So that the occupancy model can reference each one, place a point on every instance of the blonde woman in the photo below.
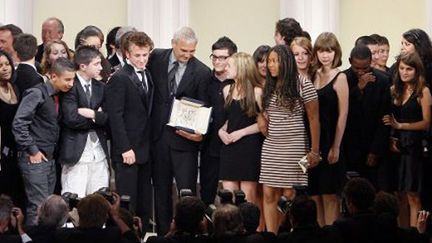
(241, 150)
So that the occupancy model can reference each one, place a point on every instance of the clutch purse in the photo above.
(304, 164)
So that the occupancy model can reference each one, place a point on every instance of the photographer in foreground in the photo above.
(188, 225)
(94, 211)
(11, 221)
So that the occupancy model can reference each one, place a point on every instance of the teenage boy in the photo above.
(36, 132)
(83, 147)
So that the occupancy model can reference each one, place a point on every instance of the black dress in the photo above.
(410, 171)
(240, 161)
(326, 178)
(10, 177)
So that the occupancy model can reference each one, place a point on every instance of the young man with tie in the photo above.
(83, 150)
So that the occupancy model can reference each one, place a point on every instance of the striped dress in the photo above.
(287, 142)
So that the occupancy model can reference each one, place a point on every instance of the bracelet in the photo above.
(314, 154)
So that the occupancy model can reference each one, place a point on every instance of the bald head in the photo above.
(52, 29)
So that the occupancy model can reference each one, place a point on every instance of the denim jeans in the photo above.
(39, 182)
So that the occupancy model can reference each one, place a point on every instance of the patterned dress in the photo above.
(287, 141)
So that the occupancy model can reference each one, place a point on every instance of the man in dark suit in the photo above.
(365, 143)
(7, 35)
(129, 95)
(83, 147)
(52, 29)
(26, 75)
(176, 73)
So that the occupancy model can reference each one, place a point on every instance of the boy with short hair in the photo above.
(83, 147)
(36, 132)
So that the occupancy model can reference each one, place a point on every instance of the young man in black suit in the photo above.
(366, 137)
(26, 74)
(36, 132)
(83, 148)
(176, 73)
(129, 95)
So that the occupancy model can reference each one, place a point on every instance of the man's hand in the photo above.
(129, 157)
(365, 79)
(19, 217)
(87, 113)
(196, 137)
(422, 221)
(115, 206)
(37, 158)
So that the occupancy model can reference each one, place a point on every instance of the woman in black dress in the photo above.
(325, 180)
(241, 151)
(10, 177)
(411, 118)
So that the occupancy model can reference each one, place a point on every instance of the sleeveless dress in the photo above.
(287, 141)
(326, 178)
(240, 161)
(410, 171)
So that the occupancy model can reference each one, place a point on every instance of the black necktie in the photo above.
(143, 82)
(88, 93)
(172, 78)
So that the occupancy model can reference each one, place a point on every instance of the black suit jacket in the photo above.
(365, 132)
(114, 61)
(74, 127)
(26, 77)
(193, 84)
(39, 53)
(129, 109)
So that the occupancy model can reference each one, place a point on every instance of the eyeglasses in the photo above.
(215, 58)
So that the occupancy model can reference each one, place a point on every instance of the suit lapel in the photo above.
(96, 94)
(82, 98)
(149, 100)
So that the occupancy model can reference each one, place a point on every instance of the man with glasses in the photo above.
(222, 49)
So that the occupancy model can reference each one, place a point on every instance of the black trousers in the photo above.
(169, 163)
(209, 176)
(135, 181)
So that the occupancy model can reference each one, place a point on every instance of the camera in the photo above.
(71, 199)
(185, 193)
(239, 197)
(225, 196)
(284, 204)
(108, 195)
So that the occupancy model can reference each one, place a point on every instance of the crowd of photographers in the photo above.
(369, 217)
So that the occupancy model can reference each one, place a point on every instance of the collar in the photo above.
(83, 81)
(173, 59)
(50, 88)
(135, 69)
(30, 64)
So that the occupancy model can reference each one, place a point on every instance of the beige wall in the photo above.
(385, 17)
(249, 23)
(77, 14)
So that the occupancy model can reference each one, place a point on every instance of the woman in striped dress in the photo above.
(287, 97)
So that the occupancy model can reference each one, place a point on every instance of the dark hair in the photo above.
(365, 40)
(261, 53)
(327, 41)
(3, 53)
(15, 30)
(84, 55)
(139, 39)
(61, 65)
(227, 221)
(225, 43)
(251, 216)
(359, 192)
(6, 206)
(303, 211)
(189, 214)
(110, 39)
(93, 211)
(361, 52)
(288, 90)
(422, 44)
(87, 32)
(289, 28)
(386, 203)
(25, 46)
(381, 40)
(412, 60)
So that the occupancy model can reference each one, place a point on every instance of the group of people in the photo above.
(284, 105)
